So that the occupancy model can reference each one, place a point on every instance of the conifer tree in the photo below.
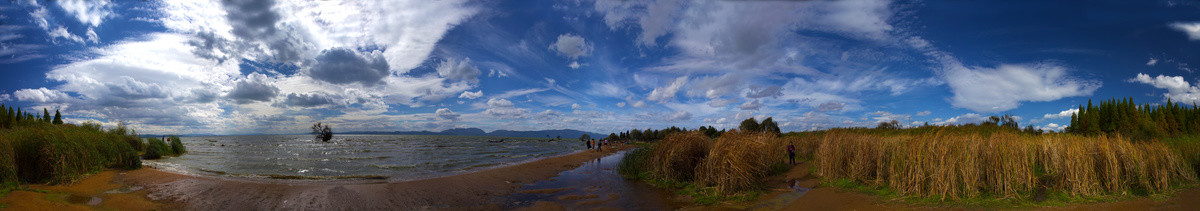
(57, 118)
(45, 115)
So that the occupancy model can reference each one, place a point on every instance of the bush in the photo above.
(176, 146)
(156, 149)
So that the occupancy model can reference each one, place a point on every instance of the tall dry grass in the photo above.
(676, 156)
(737, 160)
(949, 165)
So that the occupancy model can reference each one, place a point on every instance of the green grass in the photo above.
(46, 153)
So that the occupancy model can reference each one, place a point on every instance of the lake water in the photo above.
(396, 157)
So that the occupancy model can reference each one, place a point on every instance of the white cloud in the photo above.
(607, 89)
(1053, 127)
(621, 104)
(962, 119)
(1191, 29)
(639, 104)
(662, 94)
(924, 113)
(1152, 62)
(471, 95)
(715, 87)
(40, 95)
(90, 12)
(576, 106)
(499, 103)
(1177, 88)
(1062, 114)
(459, 70)
(504, 109)
(571, 46)
(1005, 87)
(5, 97)
(574, 65)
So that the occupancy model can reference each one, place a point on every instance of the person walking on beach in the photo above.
(588, 143)
(791, 150)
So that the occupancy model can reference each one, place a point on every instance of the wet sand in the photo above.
(481, 190)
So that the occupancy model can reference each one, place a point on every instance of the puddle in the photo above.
(126, 189)
(90, 201)
(595, 184)
(781, 201)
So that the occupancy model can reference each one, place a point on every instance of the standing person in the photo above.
(791, 150)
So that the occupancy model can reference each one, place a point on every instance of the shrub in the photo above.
(176, 146)
(156, 149)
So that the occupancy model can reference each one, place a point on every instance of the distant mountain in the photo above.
(564, 133)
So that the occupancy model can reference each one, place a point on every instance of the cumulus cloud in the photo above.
(1063, 114)
(679, 116)
(344, 66)
(1005, 87)
(574, 65)
(715, 87)
(1177, 88)
(504, 109)
(576, 106)
(1191, 29)
(253, 88)
(967, 118)
(459, 70)
(662, 94)
(41, 95)
(1053, 127)
(751, 105)
(1152, 62)
(5, 97)
(571, 46)
(446, 114)
(620, 104)
(471, 95)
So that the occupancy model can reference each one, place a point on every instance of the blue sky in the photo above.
(236, 67)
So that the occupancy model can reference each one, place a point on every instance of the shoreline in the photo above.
(472, 190)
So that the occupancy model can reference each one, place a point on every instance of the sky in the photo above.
(273, 67)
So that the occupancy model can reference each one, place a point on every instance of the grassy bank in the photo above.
(933, 164)
(55, 153)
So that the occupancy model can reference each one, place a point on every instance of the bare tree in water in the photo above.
(322, 132)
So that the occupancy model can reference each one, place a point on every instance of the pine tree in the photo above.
(57, 118)
(45, 115)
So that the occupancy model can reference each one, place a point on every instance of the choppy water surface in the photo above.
(397, 157)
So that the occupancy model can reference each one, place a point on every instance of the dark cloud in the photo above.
(459, 70)
(208, 44)
(308, 100)
(252, 89)
(254, 20)
(344, 66)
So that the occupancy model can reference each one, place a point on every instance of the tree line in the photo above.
(1140, 122)
(10, 117)
(768, 125)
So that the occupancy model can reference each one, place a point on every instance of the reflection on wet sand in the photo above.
(595, 184)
